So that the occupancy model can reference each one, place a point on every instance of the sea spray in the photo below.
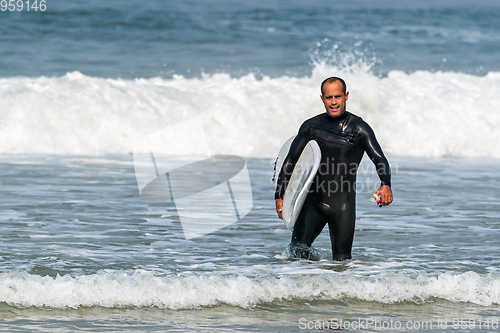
(423, 113)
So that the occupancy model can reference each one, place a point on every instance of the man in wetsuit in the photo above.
(343, 138)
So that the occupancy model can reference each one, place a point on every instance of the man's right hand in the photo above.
(279, 207)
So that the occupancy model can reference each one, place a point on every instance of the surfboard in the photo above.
(300, 181)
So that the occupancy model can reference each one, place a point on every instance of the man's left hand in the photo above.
(385, 193)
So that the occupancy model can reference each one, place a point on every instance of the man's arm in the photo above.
(291, 159)
(375, 153)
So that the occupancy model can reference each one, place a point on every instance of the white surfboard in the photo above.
(301, 180)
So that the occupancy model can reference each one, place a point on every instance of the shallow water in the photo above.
(81, 248)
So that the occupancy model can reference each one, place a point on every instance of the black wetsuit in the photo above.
(332, 198)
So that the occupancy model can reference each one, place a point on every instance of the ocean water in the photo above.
(83, 83)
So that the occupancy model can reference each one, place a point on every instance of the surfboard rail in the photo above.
(302, 177)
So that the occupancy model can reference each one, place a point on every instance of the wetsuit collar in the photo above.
(337, 119)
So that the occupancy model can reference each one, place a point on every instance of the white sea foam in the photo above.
(145, 289)
(417, 114)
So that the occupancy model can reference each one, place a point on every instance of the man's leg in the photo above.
(341, 228)
(309, 224)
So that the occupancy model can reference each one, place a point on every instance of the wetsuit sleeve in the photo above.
(374, 151)
(291, 159)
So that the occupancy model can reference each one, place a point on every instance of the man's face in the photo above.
(334, 98)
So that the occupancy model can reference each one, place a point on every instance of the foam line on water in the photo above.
(192, 290)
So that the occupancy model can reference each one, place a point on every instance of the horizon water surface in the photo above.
(83, 82)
